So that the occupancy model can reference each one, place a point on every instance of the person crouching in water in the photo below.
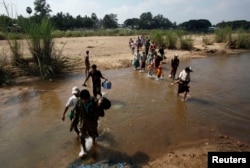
(88, 109)
(183, 81)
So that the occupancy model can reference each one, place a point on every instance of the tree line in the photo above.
(65, 21)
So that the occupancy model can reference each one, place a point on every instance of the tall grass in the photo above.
(207, 41)
(186, 43)
(12, 38)
(223, 35)
(171, 39)
(5, 76)
(41, 46)
(2, 36)
(242, 39)
(158, 37)
(239, 39)
(15, 48)
(98, 32)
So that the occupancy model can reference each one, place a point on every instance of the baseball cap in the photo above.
(75, 90)
(189, 69)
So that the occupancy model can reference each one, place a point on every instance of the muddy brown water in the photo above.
(146, 120)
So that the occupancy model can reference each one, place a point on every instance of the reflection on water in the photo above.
(146, 118)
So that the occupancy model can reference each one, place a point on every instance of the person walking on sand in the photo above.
(88, 109)
(96, 76)
(87, 63)
(183, 81)
(174, 65)
(71, 103)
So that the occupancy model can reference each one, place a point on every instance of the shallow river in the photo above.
(146, 120)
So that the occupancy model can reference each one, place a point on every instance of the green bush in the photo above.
(5, 77)
(172, 39)
(2, 36)
(158, 37)
(58, 34)
(223, 35)
(207, 41)
(97, 32)
(17, 56)
(243, 39)
(186, 43)
(41, 45)
(4, 73)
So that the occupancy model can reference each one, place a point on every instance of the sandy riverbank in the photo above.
(113, 51)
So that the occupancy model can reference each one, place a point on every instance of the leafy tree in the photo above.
(238, 24)
(58, 20)
(146, 21)
(5, 22)
(95, 19)
(42, 10)
(132, 23)
(88, 22)
(69, 21)
(161, 22)
(194, 25)
(110, 21)
(78, 21)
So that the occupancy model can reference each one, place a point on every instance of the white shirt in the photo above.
(72, 102)
(184, 76)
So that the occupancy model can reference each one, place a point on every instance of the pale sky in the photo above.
(177, 11)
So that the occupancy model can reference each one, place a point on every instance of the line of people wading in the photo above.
(85, 109)
(151, 60)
